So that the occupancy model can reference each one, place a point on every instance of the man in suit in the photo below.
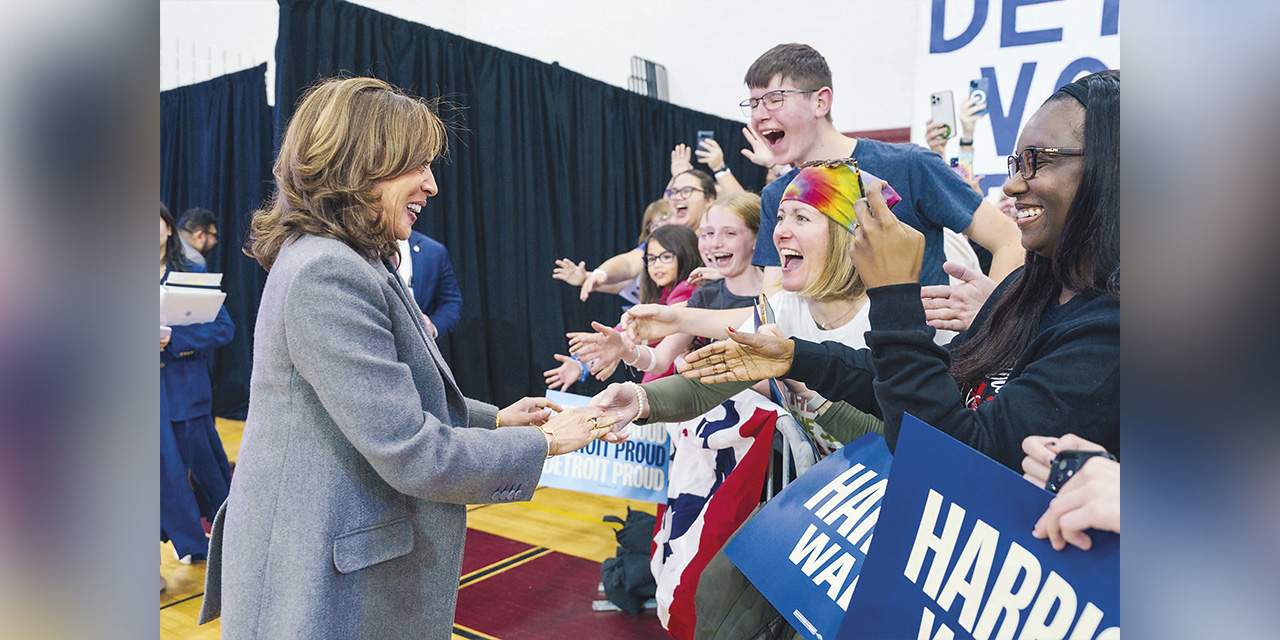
(430, 276)
(198, 230)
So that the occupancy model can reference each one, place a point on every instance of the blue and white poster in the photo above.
(953, 555)
(805, 548)
(1022, 49)
(635, 469)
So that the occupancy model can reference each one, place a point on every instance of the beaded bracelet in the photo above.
(640, 394)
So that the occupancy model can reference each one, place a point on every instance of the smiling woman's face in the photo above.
(801, 237)
(403, 197)
(688, 210)
(1042, 203)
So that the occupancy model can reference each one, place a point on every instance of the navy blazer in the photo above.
(184, 376)
(435, 288)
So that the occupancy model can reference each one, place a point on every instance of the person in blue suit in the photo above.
(435, 288)
(195, 476)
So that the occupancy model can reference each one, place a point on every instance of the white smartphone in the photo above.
(943, 108)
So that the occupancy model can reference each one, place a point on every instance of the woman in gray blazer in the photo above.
(347, 516)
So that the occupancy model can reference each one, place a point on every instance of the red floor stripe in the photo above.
(547, 598)
(483, 549)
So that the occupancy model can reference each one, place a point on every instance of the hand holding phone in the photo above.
(943, 109)
(978, 89)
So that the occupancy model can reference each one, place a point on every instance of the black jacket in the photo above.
(1066, 381)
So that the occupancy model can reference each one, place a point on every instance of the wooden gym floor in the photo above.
(565, 521)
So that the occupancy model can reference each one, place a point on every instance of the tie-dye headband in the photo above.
(831, 188)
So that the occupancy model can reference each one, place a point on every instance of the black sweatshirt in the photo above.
(1066, 381)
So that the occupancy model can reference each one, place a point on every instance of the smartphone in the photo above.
(978, 89)
(704, 135)
(943, 108)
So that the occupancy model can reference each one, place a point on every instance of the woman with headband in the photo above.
(1042, 357)
(823, 299)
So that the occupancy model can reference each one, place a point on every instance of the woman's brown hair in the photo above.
(346, 135)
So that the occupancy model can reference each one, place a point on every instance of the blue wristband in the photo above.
(586, 371)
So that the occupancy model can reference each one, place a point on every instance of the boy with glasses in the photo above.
(790, 110)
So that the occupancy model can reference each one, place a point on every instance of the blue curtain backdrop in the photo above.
(551, 164)
(215, 152)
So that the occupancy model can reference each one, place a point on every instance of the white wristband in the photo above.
(604, 275)
(653, 360)
(815, 402)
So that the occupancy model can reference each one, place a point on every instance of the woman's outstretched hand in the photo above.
(527, 411)
(621, 399)
(743, 357)
(576, 428)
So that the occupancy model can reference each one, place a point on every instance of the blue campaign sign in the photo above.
(805, 548)
(953, 555)
(635, 469)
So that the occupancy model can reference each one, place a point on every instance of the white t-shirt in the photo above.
(795, 320)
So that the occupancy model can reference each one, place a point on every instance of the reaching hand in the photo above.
(743, 357)
(589, 284)
(566, 270)
(953, 306)
(527, 411)
(703, 275)
(885, 251)
(968, 116)
(933, 137)
(710, 154)
(1041, 450)
(603, 348)
(563, 376)
(607, 371)
(576, 428)
(680, 159)
(650, 322)
(757, 150)
(620, 399)
(1089, 500)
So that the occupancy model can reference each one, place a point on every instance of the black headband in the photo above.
(1077, 91)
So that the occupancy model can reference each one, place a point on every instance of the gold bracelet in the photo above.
(553, 444)
(497, 420)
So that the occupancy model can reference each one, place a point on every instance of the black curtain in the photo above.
(551, 164)
(215, 152)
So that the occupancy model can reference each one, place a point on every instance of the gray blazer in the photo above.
(347, 509)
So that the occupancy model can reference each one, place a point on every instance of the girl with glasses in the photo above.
(670, 255)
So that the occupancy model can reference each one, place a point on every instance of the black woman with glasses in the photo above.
(1042, 357)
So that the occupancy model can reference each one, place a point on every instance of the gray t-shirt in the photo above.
(716, 295)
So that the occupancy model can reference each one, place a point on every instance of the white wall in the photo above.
(706, 46)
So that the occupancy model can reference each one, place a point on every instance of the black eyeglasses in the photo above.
(1024, 162)
(666, 257)
(683, 192)
(771, 101)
